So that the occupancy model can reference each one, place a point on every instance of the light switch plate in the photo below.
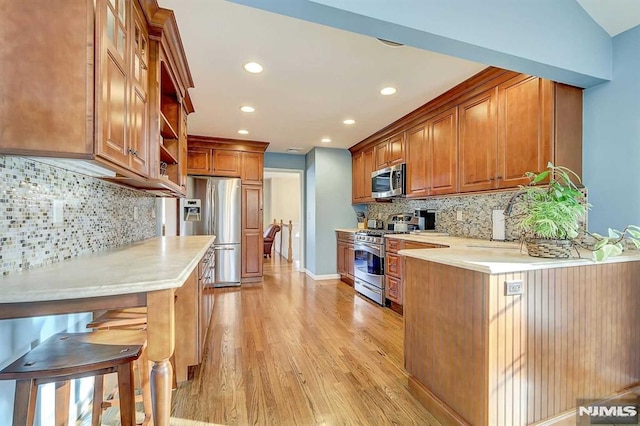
(135, 213)
(58, 211)
(459, 215)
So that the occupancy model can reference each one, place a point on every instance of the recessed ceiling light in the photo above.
(388, 91)
(326, 140)
(246, 108)
(349, 121)
(243, 132)
(253, 67)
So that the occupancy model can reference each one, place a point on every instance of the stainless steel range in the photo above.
(369, 263)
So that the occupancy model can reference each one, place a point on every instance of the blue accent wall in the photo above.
(555, 39)
(611, 139)
(310, 211)
(276, 160)
(328, 194)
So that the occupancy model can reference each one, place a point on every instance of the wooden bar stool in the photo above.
(68, 356)
(141, 365)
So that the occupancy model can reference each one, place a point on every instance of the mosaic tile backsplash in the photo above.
(96, 215)
(476, 213)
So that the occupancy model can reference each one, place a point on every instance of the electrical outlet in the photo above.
(135, 213)
(513, 288)
(459, 215)
(153, 213)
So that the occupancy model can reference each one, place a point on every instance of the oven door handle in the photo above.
(368, 248)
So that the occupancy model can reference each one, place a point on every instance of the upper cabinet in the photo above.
(483, 134)
(389, 152)
(432, 156)
(213, 156)
(101, 104)
(363, 165)
(478, 142)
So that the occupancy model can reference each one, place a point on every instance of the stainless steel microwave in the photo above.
(388, 182)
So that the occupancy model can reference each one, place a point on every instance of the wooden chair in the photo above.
(68, 356)
(268, 236)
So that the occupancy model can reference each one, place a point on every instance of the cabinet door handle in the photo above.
(499, 177)
(491, 178)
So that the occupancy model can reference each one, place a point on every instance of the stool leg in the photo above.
(126, 390)
(24, 407)
(63, 393)
(98, 398)
(145, 384)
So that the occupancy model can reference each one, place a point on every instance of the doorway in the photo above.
(283, 200)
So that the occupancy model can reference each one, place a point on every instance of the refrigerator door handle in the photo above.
(212, 200)
(224, 248)
(208, 213)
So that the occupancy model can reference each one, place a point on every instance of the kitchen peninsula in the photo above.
(148, 273)
(475, 355)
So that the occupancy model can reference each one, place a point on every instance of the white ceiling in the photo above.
(316, 76)
(614, 16)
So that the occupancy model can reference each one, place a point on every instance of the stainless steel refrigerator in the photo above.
(219, 213)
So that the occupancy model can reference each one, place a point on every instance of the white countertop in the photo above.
(493, 257)
(154, 264)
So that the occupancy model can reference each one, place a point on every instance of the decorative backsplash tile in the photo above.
(476, 213)
(97, 215)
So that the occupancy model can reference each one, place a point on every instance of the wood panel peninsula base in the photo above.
(476, 356)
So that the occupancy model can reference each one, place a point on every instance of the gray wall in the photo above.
(612, 139)
(328, 195)
(97, 216)
(276, 160)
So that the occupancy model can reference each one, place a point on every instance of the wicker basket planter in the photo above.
(549, 248)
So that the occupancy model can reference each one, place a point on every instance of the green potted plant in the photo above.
(613, 244)
(548, 214)
(549, 217)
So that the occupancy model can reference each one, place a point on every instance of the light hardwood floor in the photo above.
(294, 351)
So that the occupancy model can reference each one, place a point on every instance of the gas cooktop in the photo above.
(379, 232)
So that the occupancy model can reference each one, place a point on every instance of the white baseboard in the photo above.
(322, 277)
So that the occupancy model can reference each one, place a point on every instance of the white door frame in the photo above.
(303, 213)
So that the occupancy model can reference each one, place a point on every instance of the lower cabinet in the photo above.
(193, 311)
(394, 267)
(252, 242)
(345, 256)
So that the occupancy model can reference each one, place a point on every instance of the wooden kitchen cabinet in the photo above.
(394, 271)
(345, 256)
(417, 160)
(524, 129)
(478, 142)
(362, 167)
(389, 152)
(252, 168)
(483, 134)
(97, 98)
(199, 161)
(432, 156)
(193, 310)
(226, 162)
(252, 245)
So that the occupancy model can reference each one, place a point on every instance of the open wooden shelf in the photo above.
(167, 130)
(167, 155)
